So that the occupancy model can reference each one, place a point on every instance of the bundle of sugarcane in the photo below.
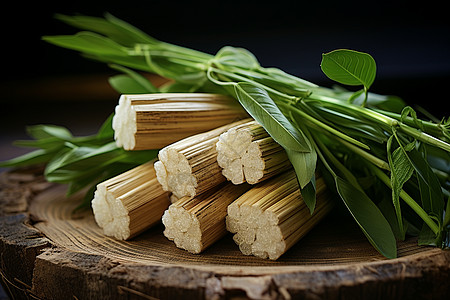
(152, 121)
(196, 223)
(189, 167)
(271, 217)
(129, 203)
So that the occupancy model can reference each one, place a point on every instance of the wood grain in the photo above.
(41, 236)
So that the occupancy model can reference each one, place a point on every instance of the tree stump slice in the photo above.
(48, 251)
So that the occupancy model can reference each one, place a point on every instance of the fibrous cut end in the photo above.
(196, 223)
(175, 174)
(183, 229)
(110, 214)
(255, 234)
(189, 166)
(124, 124)
(266, 224)
(246, 153)
(129, 203)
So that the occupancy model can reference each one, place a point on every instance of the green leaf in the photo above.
(309, 194)
(446, 221)
(132, 83)
(304, 164)
(401, 172)
(366, 214)
(106, 131)
(406, 111)
(88, 42)
(48, 131)
(134, 33)
(429, 185)
(237, 57)
(134, 62)
(263, 109)
(178, 87)
(116, 29)
(75, 162)
(388, 210)
(124, 84)
(349, 67)
(45, 143)
(369, 218)
(31, 158)
(180, 70)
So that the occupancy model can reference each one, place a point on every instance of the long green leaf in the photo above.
(137, 84)
(369, 218)
(237, 57)
(48, 131)
(304, 164)
(73, 163)
(309, 194)
(44, 143)
(366, 214)
(110, 26)
(429, 185)
(263, 109)
(88, 42)
(135, 62)
(125, 84)
(106, 131)
(31, 158)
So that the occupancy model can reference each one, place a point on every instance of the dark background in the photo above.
(42, 83)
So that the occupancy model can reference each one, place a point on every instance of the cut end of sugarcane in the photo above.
(271, 217)
(189, 166)
(110, 214)
(124, 124)
(175, 174)
(183, 228)
(255, 231)
(247, 153)
(194, 224)
(129, 203)
(231, 146)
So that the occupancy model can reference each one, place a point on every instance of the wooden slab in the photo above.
(50, 252)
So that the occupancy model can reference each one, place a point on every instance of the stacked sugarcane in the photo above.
(217, 171)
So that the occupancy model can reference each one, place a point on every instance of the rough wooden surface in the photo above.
(49, 252)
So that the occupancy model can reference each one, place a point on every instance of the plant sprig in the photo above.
(347, 135)
(79, 162)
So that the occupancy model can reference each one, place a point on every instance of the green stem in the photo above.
(408, 200)
(364, 154)
(244, 79)
(344, 171)
(320, 154)
(424, 137)
(386, 121)
(429, 127)
(324, 126)
(261, 77)
(366, 94)
(381, 119)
